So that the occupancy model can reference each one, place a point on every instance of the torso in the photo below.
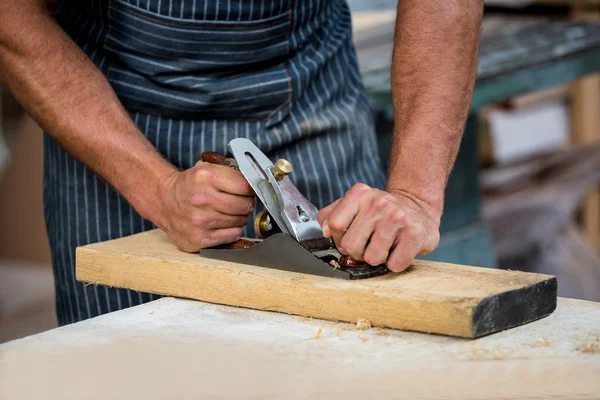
(193, 75)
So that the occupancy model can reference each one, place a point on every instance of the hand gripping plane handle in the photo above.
(212, 157)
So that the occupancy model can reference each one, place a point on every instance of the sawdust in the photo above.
(363, 324)
(498, 353)
(478, 354)
(364, 339)
(590, 348)
(542, 342)
(318, 334)
(383, 333)
(338, 333)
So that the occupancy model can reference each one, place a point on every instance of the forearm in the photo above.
(71, 100)
(433, 74)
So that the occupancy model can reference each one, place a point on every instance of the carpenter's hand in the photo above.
(380, 227)
(205, 206)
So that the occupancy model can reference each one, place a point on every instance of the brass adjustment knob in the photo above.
(282, 168)
(263, 226)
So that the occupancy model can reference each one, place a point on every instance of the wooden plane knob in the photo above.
(347, 262)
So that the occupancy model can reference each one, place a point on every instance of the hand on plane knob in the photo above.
(381, 227)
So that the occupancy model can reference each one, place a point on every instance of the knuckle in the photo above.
(198, 219)
(351, 246)
(203, 174)
(398, 216)
(358, 189)
(335, 224)
(379, 203)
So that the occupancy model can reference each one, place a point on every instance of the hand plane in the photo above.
(291, 238)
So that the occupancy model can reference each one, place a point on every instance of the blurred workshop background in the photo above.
(524, 194)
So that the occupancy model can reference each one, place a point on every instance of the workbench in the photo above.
(183, 349)
(517, 56)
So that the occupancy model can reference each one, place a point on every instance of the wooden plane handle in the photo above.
(212, 157)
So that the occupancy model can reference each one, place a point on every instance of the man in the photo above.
(131, 92)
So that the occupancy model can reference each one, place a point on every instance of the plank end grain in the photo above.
(516, 307)
(428, 297)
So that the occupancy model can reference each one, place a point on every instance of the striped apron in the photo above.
(194, 74)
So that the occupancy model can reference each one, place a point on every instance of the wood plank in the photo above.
(429, 297)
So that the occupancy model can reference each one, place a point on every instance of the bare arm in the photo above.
(433, 75)
(71, 100)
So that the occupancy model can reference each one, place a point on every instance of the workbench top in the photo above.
(174, 348)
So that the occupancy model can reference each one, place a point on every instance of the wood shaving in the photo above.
(335, 264)
(543, 342)
(592, 348)
(339, 334)
(383, 333)
(363, 324)
(318, 334)
(364, 339)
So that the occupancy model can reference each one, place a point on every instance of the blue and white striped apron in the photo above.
(194, 74)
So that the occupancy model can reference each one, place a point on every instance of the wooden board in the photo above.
(183, 349)
(428, 297)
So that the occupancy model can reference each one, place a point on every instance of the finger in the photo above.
(233, 204)
(224, 203)
(405, 250)
(323, 218)
(382, 241)
(223, 221)
(371, 214)
(340, 220)
(202, 220)
(220, 236)
(325, 211)
(344, 213)
(224, 179)
(354, 240)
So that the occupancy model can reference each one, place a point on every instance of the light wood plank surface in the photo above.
(428, 297)
(182, 349)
